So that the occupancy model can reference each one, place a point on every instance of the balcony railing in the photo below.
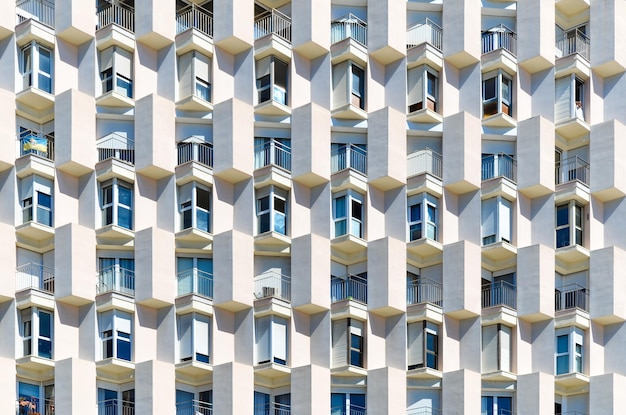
(272, 22)
(274, 153)
(349, 156)
(196, 17)
(571, 296)
(117, 147)
(500, 293)
(571, 169)
(272, 284)
(272, 408)
(425, 161)
(349, 26)
(424, 411)
(500, 37)
(123, 16)
(35, 406)
(353, 410)
(116, 407)
(39, 10)
(425, 31)
(37, 143)
(424, 291)
(116, 279)
(350, 287)
(194, 408)
(34, 276)
(499, 165)
(573, 42)
(195, 281)
(194, 151)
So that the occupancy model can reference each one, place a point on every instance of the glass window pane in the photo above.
(125, 196)
(489, 89)
(264, 222)
(124, 218)
(279, 205)
(415, 232)
(415, 212)
(357, 210)
(562, 237)
(45, 348)
(202, 220)
(45, 324)
(44, 200)
(340, 227)
(562, 217)
(340, 207)
(562, 364)
(123, 347)
(203, 198)
(279, 223)
(562, 344)
(263, 204)
(44, 60)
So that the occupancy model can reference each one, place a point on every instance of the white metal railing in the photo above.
(194, 407)
(425, 161)
(425, 31)
(196, 17)
(34, 276)
(272, 22)
(272, 152)
(570, 43)
(349, 26)
(500, 37)
(122, 16)
(353, 410)
(117, 147)
(424, 411)
(351, 287)
(571, 169)
(116, 279)
(349, 156)
(195, 281)
(423, 291)
(571, 296)
(272, 408)
(272, 284)
(116, 407)
(193, 151)
(499, 165)
(499, 293)
(40, 10)
(36, 142)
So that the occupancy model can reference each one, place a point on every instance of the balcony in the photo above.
(116, 14)
(274, 408)
(499, 165)
(36, 143)
(199, 152)
(572, 169)
(499, 37)
(574, 42)
(195, 281)
(353, 410)
(272, 285)
(349, 287)
(116, 157)
(194, 17)
(35, 406)
(272, 153)
(426, 411)
(272, 35)
(573, 296)
(34, 276)
(194, 407)
(424, 291)
(115, 279)
(116, 407)
(499, 294)
(422, 32)
(349, 27)
(38, 10)
(424, 172)
(349, 157)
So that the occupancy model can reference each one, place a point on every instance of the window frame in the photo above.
(114, 78)
(495, 408)
(31, 190)
(499, 213)
(424, 202)
(196, 345)
(354, 346)
(501, 331)
(575, 353)
(192, 79)
(274, 194)
(31, 334)
(191, 206)
(357, 93)
(575, 230)
(274, 346)
(31, 70)
(423, 74)
(424, 329)
(115, 335)
(278, 88)
(350, 196)
(115, 204)
(499, 78)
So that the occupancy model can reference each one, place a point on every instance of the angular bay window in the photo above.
(36, 67)
(496, 348)
(422, 216)
(569, 351)
(194, 204)
(194, 76)
(271, 80)
(496, 220)
(194, 337)
(348, 343)
(271, 340)
(116, 201)
(36, 200)
(348, 214)
(116, 71)
(115, 328)
(348, 85)
(497, 94)
(569, 224)
(271, 210)
(422, 345)
(422, 88)
(36, 332)
(569, 98)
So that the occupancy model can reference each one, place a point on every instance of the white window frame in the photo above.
(419, 91)
(30, 334)
(119, 320)
(189, 203)
(119, 77)
(574, 230)
(194, 75)
(569, 98)
(115, 204)
(502, 101)
(419, 354)
(32, 188)
(277, 92)
(31, 70)
(425, 225)
(268, 332)
(275, 197)
(350, 219)
(351, 95)
(503, 225)
(502, 346)
(344, 332)
(199, 346)
(575, 353)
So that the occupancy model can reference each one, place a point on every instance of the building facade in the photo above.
(312, 207)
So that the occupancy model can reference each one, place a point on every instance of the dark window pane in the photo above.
(357, 210)
(562, 215)
(203, 199)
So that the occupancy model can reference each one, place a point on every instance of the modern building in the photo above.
(308, 207)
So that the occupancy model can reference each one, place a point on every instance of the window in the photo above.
(496, 348)
(569, 98)
(348, 341)
(36, 200)
(116, 199)
(198, 403)
(194, 76)
(271, 340)
(29, 397)
(422, 88)
(497, 405)
(112, 402)
(569, 351)
(36, 67)
(263, 404)
(497, 94)
(271, 210)
(194, 337)
(36, 331)
(348, 85)
(348, 213)
(271, 80)
(422, 216)
(347, 404)
(569, 224)
(422, 345)
(195, 275)
(496, 220)
(194, 204)
(115, 329)
(116, 71)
